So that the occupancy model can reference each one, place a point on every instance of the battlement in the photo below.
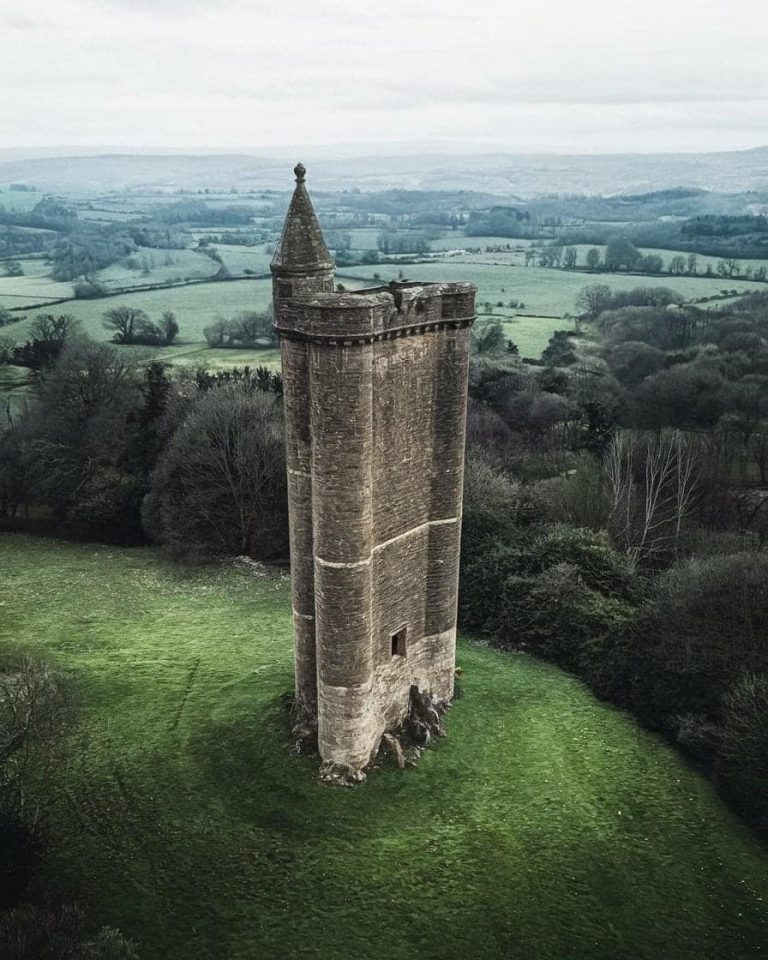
(377, 313)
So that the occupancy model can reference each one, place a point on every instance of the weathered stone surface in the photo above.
(375, 402)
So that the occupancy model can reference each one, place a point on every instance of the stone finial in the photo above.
(301, 248)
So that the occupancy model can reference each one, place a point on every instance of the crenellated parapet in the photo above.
(406, 309)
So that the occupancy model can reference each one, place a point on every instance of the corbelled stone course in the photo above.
(375, 403)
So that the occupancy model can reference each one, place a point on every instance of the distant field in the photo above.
(18, 199)
(195, 306)
(544, 292)
(238, 259)
(531, 334)
(454, 240)
(217, 360)
(702, 261)
(545, 297)
(159, 266)
(34, 287)
(364, 238)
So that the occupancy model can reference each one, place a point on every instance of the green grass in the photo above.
(546, 825)
(195, 306)
(544, 292)
(531, 334)
(35, 286)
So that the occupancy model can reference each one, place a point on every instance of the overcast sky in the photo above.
(549, 75)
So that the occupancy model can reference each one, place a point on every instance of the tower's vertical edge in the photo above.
(342, 436)
(449, 416)
(301, 265)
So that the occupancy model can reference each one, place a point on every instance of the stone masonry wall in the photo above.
(375, 416)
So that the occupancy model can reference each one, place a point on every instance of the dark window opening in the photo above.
(283, 288)
(398, 642)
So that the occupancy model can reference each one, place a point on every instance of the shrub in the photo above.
(247, 330)
(705, 623)
(554, 589)
(47, 933)
(89, 290)
(557, 613)
(110, 501)
(743, 756)
(19, 851)
(490, 506)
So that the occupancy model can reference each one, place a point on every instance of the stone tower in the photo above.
(375, 407)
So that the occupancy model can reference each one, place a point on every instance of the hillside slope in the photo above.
(546, 825)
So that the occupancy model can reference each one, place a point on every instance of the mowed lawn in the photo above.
(546, 825)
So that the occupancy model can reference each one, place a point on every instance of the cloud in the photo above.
(238, 73)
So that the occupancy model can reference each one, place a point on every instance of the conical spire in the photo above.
(301, 248)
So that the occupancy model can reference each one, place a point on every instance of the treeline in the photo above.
(501, 221)
(247, 330)
(667, 235)
(131, 325)
(194, 462)
(21, 243)
(616, 521)
(622, 255)
(80, 249)
(201, 213)
(720, 225)
(395, 241)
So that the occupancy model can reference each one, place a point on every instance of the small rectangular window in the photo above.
(284, 288)
(398, 642)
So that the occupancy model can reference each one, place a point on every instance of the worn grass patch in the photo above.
(546, 825)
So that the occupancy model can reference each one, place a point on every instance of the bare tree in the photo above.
(127, 322)
(593, 299)
(652, 487)
(48, 326)
(34, 715)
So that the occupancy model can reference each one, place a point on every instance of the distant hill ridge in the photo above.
(502, 174)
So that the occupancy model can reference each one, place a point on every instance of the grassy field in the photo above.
(544, 292)
(195, 306)
(531, 334)
(34, 287)
(546, 825)
(19, 200)
(159, 266)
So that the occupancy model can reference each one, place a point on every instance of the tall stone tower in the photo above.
(375, 407)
